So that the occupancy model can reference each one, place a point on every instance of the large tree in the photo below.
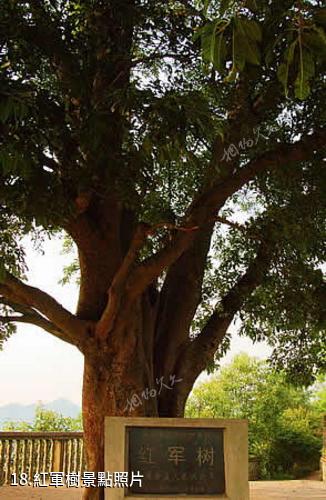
(178, 144)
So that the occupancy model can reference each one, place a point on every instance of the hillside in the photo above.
(17, 412)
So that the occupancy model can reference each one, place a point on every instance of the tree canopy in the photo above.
(179, 144)
(191, 114)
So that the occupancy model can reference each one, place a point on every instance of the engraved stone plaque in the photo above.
(180, 461)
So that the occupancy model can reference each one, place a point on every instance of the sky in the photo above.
(35, 366)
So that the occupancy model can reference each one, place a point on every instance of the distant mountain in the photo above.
(65, 407)
(17, 412)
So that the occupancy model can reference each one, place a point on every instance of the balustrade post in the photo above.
(57, 456)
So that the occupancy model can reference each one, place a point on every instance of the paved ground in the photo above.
(259, 490)
(287, 490)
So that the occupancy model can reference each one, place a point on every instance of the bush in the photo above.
(285, 421)
(296, 448)
(46, 420)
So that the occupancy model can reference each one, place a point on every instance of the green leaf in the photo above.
(252, 29)
(213, 43)
(245, 49)
(290, 52)
(220, 53)
(283, 69)
(306, 72)
(282, 75)
(302, 89)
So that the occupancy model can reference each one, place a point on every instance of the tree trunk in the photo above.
(115, 388)
(115, 375)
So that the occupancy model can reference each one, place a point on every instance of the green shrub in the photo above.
(285, 421)
(46, 420)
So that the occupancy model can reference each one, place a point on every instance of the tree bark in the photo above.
(118, 376)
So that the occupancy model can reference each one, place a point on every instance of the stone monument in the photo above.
(169, 458)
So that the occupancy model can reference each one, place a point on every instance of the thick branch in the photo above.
(180, 296)
(37, 320)
(210, 202)
(283, 154)
(31, 316)
(234, 225)
(120, 279)
(209, 339)
(18, 292)
(116, 289)
(196, 354)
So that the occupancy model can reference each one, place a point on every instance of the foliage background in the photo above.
(46, 421)
(285, 421)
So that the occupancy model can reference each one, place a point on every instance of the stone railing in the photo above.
(35, 452)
